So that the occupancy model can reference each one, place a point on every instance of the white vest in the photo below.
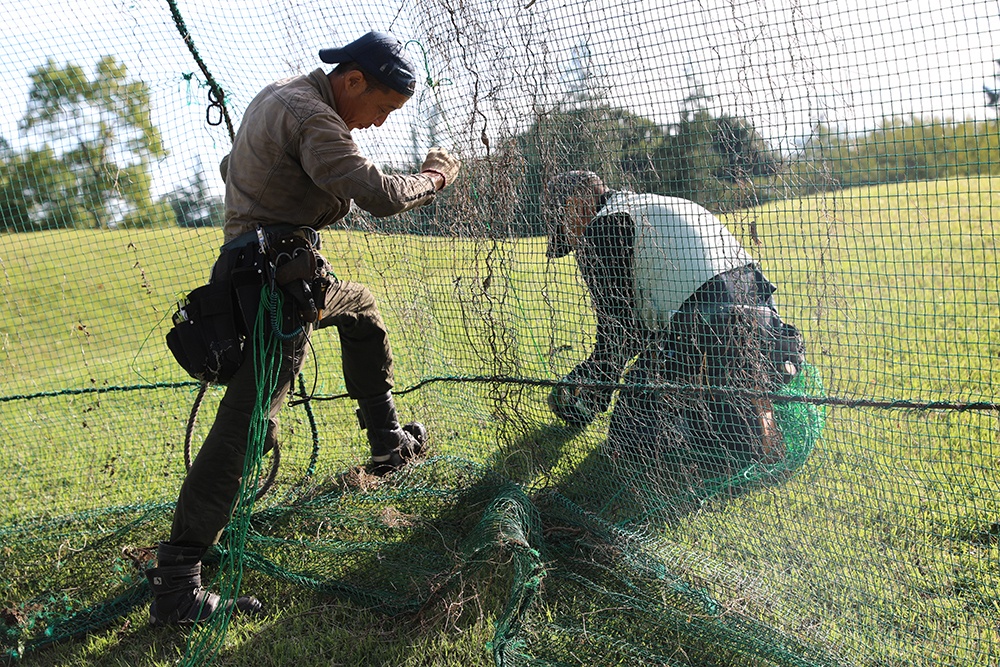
(679, 246)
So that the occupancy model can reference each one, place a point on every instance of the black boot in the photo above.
(392, 445)
(178, 598)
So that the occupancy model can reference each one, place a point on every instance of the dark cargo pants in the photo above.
(727, 335)
(205, 502)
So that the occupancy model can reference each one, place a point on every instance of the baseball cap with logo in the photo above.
(379, 55)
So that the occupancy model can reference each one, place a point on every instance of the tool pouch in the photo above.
(301, 272)
(205, 337)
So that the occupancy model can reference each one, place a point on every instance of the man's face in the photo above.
(576, 213)
(566, 223)
(362, 106)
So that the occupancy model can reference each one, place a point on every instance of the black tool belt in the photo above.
(287, 258)
(212, 323)
(271, 233)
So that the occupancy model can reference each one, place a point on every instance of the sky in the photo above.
(489, 66)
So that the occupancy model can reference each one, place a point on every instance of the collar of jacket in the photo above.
(320, 79)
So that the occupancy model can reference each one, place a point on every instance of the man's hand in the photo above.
(440, 162)
(577, 403)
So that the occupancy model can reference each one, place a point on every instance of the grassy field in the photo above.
(881, 550)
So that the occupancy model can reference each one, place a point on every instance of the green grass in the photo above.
(882, 548)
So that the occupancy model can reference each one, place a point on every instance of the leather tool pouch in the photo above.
(301, 272)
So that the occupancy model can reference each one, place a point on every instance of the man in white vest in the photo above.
(679, 298)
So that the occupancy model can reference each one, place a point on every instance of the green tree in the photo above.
(899, 149)
(717, 160)
(721, 162)
(744, 153)
(39, 193)
(101, 131)
(616, 144)
(194, 205)
(13, 207)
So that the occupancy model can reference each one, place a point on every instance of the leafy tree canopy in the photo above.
(99, 131)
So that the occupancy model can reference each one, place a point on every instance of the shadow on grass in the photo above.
(404, 569)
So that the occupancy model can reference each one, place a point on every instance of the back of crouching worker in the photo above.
(688, 312)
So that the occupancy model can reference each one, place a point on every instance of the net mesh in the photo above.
(852, 152)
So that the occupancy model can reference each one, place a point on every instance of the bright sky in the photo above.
(784, 65)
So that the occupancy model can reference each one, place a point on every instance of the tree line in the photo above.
(718, 161)
(97, 141)
(94, 142)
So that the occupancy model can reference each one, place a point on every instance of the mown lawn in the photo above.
(882, 549)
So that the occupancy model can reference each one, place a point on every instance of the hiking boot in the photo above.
(179, 599)
(406, 443)
(392, 446)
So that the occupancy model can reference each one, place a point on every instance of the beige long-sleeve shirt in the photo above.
(294, 162)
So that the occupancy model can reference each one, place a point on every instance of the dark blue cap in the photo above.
(380, 55)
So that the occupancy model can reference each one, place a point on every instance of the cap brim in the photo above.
(334, 56)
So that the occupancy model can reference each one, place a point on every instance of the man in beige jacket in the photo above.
(294, 169)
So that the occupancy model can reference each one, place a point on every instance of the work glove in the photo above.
(787, 352)
(441, 162)
(577, 404)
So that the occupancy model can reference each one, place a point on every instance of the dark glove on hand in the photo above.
(788, 353)
(578, 404)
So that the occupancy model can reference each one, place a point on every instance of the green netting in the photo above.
(853, 153)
